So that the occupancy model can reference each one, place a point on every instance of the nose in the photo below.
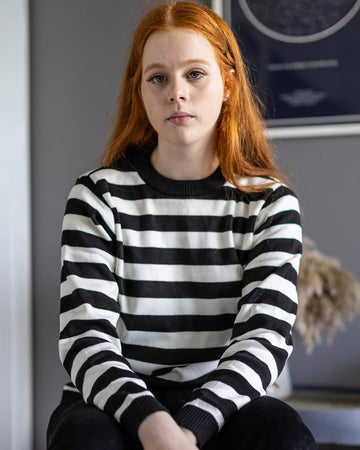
(177, 91)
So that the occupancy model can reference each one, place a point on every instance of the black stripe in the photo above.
(76, 238)
(177, 256)
(217, 224)
(94, 271)
(281, 218)
(273, 196)
(255, 363)
(280, 355)
(94, 298)
(227, 407)
(259, 321)
(177, 289)
(234, 379)
(285, 271)
(220, 322)
(98, 358)
(270, 297)
(76, 327)
(79, 207)
(171, 357)
(112, 374)
(79, 345)
(291, 246)
(116, 399)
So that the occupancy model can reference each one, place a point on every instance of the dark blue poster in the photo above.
(304, 57)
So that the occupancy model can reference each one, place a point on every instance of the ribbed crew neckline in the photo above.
(178, 188)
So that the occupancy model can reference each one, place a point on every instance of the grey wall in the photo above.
(77, 55)
(325, 175)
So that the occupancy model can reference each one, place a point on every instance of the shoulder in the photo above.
(267, 191)
(122, 173)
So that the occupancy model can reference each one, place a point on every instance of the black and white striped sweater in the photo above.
(176, 283)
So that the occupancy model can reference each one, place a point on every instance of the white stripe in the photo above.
(282, 204)
(190, 372)
(127, 402)
(247, 372)
(95, 372)
(87, 352)
(272, 259)
(70, 388)
(93, 255)
(274, 338)
(117, 177)
(281, 231)
(258, 350)
(251, 309)
(254, 181)
(179, 207)
(76, 222)
(216, 413)
(183, 273)
(145, 368)
(225, 392)
(179, 306)
(81, 192)
(66, 344)
(179, 239)
(72, 282)
(103, 396)
(177, 340)
(274, 283)
(87, 312)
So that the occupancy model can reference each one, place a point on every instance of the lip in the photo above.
(180, 117)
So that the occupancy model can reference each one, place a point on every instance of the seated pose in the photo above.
(179, 259)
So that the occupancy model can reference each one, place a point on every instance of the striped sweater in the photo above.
(176, 283)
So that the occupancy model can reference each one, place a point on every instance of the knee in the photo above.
(85, 428)
(276, 425)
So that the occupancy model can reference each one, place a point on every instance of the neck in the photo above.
(184, 164)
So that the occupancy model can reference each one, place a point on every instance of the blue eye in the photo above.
(156, 79)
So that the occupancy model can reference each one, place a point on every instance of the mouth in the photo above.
(180, 118)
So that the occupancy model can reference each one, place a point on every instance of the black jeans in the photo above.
(263, 424)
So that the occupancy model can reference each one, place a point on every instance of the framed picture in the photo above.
(304, 58)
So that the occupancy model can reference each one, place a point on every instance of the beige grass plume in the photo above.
(328, 295)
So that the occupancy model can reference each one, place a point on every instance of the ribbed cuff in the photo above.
(200, 422)
(139, 409)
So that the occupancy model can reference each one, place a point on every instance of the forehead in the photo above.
(170, 46)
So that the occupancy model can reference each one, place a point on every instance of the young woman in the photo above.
(180, 258)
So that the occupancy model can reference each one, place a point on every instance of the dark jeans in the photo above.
(263, 424)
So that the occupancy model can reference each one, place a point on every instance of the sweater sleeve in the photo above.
(261, 339)
(89, 347)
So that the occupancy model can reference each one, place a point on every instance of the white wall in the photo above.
(15, 313)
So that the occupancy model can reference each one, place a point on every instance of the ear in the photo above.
(226, 85)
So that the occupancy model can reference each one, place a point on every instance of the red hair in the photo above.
(242, 148)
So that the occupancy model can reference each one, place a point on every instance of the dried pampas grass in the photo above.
(327, 295)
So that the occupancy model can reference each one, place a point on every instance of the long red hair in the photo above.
(242, 148)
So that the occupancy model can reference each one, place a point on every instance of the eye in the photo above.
(156, 79)
(196, 74)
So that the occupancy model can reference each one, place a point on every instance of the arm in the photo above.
(89, 346)
(261, 339)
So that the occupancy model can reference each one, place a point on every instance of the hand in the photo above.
(190, 435)
(159, 431)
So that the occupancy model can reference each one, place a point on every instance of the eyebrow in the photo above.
(183, 63)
